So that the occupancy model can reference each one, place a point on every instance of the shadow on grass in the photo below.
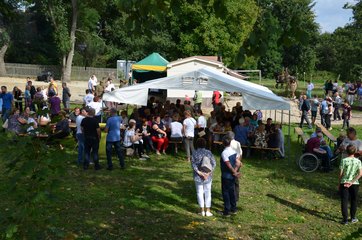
(301, 208)
(355, 235)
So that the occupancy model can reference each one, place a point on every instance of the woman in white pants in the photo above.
(202, 179)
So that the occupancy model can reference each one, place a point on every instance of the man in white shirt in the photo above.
(235, 145)
(353, 140)
(80, 136)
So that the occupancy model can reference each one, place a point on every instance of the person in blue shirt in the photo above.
(8, 102)
(113, 128)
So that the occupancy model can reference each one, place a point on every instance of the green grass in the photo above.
(156, 199)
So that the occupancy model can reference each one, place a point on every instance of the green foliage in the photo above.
(33, 170)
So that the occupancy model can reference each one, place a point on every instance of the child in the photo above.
(350, 172)
(346, 115)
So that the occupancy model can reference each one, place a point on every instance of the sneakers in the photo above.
(208, 214)
(354, 220)
(142, 159)
(330, 128)
(145, 156)
(202, 213)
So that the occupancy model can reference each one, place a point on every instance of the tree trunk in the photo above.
(67, 64)
(2, 60)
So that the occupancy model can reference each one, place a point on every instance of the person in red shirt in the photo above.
(216, 98)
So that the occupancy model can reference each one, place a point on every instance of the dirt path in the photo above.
(77, 89)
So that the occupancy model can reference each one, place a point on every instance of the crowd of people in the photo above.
(335, 105)
(151, 128)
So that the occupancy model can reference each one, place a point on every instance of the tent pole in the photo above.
(275, 115)
(281, 118)
(289, 157)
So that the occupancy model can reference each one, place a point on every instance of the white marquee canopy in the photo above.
(206, 79)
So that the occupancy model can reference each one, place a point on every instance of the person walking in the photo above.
(66, 97)
(189, 125)
(346, 115)
(113, 128)
(329, 114)
(229, 165)
(92, 136)
(203, 164)
(310, 87)
(350, 173)
(314, 108)
(305, 108)
(80, 135)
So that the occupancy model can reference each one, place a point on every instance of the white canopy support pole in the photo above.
(275, 115)
(289, 152)
(281, 117)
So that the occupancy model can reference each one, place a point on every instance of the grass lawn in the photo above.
(156, 199)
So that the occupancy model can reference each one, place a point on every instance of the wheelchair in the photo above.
(310, 162)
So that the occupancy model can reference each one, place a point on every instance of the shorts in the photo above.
(314, 113)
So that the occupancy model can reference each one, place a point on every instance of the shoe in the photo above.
(354, 220)
(158, 153)
(208, 214)
(202, 213)
(225, 214)
(330, 128)
(234, 212)
(145, 156)
(164, 152)
(123, 168)
(142, 159)
(344, 222)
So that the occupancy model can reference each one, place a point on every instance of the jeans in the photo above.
(189, 145)
(5, 114)
(237, 189)
(119, 152)
(66, 105)
(228, 195)
(80, 139)
(345, 122)
(203, 191)
(351, 194)
(304, 117)
(328, 120)
(323, 117)
(350, 99)
(336, 114)
(91, 146)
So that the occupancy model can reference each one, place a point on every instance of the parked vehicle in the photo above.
(44, 76)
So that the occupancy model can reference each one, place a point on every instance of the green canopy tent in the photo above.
(152, 67)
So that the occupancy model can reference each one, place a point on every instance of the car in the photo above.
(44, 76)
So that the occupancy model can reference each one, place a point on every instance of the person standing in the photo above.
(66, 97)
(8, 103)
(197, 100)
(189, 125)
(350, 173)
(329, 114)
(216, 96)
(350, 93)
(113, 128)
(80, 135)
(54, 102)
(18, 98)
(229, 171)
(337, 105)
(314, 108)
(346, 114)
(310, 87)
(305, 108)
(323, 110)
(92, 136)
(202, 178)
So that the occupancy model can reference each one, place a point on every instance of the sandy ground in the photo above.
(77, 89)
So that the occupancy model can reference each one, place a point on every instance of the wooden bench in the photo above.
(299, 133)
(331, 138)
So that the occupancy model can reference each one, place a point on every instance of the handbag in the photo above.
(201, 133)
(206, 165)
(129, 151)
(6, 124)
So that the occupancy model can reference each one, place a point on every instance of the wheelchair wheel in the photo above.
(308, 162)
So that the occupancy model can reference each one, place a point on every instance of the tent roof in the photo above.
(153, 62)
(207, 79)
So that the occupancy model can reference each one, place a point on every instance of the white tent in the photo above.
(207, 79)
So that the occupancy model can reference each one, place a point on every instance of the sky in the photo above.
(331, 15)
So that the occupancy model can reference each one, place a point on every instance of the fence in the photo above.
(78, 73)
